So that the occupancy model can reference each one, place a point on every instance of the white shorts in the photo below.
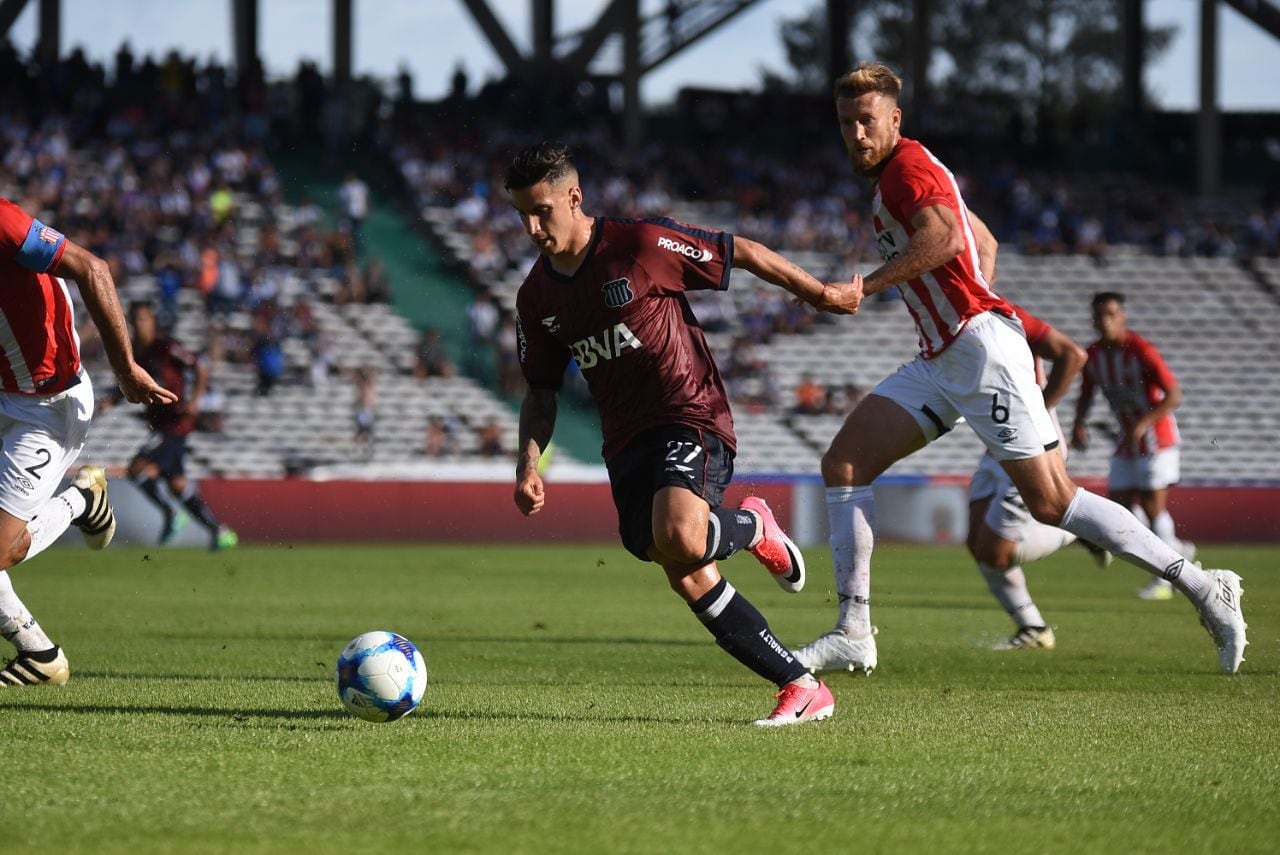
(1007, 515)
(41, 438)
(986, 377)
(1149, 472)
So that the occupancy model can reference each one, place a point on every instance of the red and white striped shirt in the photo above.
(1134, 378)
(39, 349)
(943, 300)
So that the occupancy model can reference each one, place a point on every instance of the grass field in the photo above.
(577, 706)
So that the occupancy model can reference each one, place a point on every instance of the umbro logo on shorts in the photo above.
(1007, 434)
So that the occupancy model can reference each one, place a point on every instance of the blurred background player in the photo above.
(974, 363)
(46, 403)
(164, 453)
(1142, 393)
(1002, 533)
(610, 293)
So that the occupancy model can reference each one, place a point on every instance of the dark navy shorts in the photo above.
(669, 456)
(167, 452)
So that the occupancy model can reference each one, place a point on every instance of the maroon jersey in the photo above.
(171, 365)
(625, 319)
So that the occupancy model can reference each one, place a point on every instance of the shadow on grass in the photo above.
(585, 717)
(247, 716)
(212, 712)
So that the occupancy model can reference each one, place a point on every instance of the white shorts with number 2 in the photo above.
(986, 377)
(42, 437)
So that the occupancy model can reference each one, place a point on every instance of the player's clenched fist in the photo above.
(841, 298)
(529, 494)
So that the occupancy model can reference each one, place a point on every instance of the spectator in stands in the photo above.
(354, 195)
(377, 284)
(431, 359)
(482, 325)
(366, 410)
(489, 439)
(267, 355)
(811, 397)
(441, 439)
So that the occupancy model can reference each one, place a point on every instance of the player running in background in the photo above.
(165, 451)
(1002, 533)
(974, 363)
(46, 403)
(610, 293)
(1143, 393)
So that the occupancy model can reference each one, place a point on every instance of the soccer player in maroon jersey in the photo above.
(1143, 393)
(974, 363)
(46, 403)
(610, 294)
(165, 451)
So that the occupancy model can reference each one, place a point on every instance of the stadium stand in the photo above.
(205, 232)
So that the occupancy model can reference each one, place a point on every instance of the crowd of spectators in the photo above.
(811, 204)
(157, 167)
(82, 144)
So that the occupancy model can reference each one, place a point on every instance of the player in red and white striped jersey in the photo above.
(1143, 393)
(974, 363)
(46, 402)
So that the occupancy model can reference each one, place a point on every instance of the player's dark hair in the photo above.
(141, 304)
(1107, 297)
(546, 161)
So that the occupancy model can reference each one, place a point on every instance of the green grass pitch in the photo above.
(576, 705)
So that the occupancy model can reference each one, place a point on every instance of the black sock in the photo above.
(150, 488)
(192, 502)
(745, 635)
(728, 531)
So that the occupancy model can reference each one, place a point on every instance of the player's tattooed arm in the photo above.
(537, 422)
(758, 259)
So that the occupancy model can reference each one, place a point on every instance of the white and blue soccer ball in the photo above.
(381, 676)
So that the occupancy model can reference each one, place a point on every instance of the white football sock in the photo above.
(16, 623)
(52, 520)
(1164, 528)
(1114, 528)
(1010, 590)
(1039, 540)
(852, 514)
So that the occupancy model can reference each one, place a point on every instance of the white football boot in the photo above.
(837, 651)
(1221, 614)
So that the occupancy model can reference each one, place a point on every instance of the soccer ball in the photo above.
(381, 676)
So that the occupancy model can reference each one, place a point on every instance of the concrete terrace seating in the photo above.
(298, 427)
(1214, 320)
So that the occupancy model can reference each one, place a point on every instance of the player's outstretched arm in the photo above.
(537, 422)
(758, 259)
(938, 238)
(99, 293)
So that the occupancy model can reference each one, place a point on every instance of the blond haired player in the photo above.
(974, 363)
